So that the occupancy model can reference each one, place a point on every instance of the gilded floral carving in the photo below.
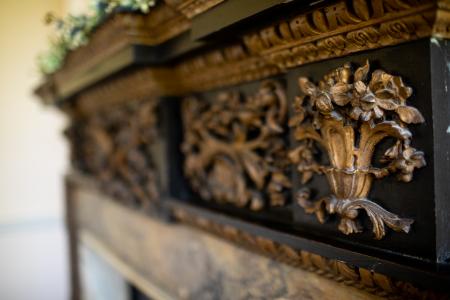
(234, 148)
(347, 115)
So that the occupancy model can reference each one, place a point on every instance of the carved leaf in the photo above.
(307, 86)
(387, 104)
(306, 176)
(297, 119)
(379, 217)
(340, 93)
(319, 20)
(361, 72)
(393, 152)
(254, 165)
(409, 114)
(360, 87)
(361, 9)
(323, 103)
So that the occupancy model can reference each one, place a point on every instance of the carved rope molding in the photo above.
(234, 147)
(347, 115)
(113, 146)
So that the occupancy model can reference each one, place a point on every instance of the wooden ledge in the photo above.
(325, 32)
(157, 245)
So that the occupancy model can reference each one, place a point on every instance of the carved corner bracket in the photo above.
(234, 147)
(347, 115)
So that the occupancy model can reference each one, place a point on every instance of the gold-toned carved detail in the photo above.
(327, 32)
(370, 281)
(441, 27)
(234, 147)
(223, 67)
(340, 29)
(348, 114)
(134, 85)
(113, 146)
(192, 8)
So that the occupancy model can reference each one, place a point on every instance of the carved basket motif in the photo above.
(346, 105)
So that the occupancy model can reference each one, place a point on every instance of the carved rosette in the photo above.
(234, 147)
(114, 147)
(347, 115)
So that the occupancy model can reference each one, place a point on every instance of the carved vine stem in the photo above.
(234, 148)
(346, 105)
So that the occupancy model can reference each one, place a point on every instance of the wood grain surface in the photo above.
(173, 261)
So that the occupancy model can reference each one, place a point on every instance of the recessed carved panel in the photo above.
(234, 147)
(345, 117)
(114, 147)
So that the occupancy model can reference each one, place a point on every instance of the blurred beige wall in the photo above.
(33, 156)
(32, 151)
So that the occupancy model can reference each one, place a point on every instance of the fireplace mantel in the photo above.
(228, 149)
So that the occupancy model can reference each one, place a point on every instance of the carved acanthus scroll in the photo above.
(347, 115)
(234, 147)
(114, 147)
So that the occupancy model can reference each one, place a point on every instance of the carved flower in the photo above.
(303, 156)
(319, 98)
(384, 92)
(403, 159)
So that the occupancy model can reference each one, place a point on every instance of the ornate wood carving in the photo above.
(342, 28)
(113, 146)
(229, 65)
(325, 32)
(347, 115)
(441, 28)
(159, 25)
(234, 147)
(192, 8)
(133, 85)
(373, 282)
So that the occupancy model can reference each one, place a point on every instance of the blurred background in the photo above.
(33, 159)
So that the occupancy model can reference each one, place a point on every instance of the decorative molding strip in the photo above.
(323, 33)
(134, 85)
(362, 278)
(223, 67)
(234, 148)
(192, 8)
(340, 29)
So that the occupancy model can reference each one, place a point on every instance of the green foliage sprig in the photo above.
(74, 31)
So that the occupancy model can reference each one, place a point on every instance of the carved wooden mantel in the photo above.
(315, 133)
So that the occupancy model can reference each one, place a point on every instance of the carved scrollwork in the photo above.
(113, 146)
(234, 147)
(341, 28)
(347, 115)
